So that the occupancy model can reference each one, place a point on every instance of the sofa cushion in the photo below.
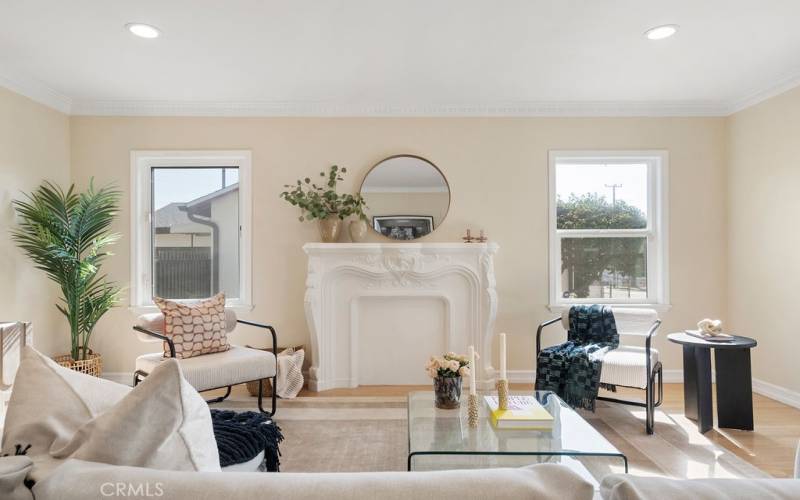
(162, 423)
(77, 480)
(49, 403)
(13, 471)
(195, 328)
(630, 487)
(234, 366)
(61, 413)
(155, 323)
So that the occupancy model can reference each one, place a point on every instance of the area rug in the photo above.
(349, 434)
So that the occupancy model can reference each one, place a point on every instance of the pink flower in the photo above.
(464, 371)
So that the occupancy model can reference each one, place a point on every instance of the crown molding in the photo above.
(332, 109)
(788, 82)
(33, 89)
(19, 82)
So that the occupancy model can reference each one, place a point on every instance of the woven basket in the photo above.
(92, 365)
(252, 386)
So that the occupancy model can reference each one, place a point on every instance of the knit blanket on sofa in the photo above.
(572, 369)
(242, 436)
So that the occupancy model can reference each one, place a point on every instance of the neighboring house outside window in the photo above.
(198, 243)
(608, 230)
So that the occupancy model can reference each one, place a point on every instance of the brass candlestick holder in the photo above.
(502, 393)
(472, 410)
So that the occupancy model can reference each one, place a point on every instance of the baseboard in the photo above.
(673, 376)
(776, 392)
(676, 376)
(521, 376)
(770, 390)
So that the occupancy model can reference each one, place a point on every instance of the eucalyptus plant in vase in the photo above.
(355, 205)
(323, 203)
(66, 235)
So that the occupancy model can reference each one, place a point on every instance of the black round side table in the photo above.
(734, 381)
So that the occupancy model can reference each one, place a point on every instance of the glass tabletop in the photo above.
(435, 431)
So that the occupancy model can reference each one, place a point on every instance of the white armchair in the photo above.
(628, 365)
(237, 365)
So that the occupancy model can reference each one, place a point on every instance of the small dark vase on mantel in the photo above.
(448, 392)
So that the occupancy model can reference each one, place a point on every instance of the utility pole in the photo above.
(614, 208)
(614, 193)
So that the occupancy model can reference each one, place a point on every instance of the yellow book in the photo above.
(524, 412)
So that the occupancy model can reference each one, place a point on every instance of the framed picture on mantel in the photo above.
(403, 227)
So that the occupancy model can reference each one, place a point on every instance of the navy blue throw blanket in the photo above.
(242, 436)
(572, 369)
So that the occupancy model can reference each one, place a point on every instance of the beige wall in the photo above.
(497, 170)
(764, 234)
(34, 146)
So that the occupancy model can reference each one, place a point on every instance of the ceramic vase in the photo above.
(358, 230)
(329, 228)
(447, 392)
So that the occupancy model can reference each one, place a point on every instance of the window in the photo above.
(190, 225)
(608, 232)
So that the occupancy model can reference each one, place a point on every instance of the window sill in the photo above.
(237, 308)
(559, 308)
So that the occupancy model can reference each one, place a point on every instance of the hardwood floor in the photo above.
(771, 447)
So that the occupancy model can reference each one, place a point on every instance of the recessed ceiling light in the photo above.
(661, 32)
(143, 30)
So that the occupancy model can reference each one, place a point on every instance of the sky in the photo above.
(582, 179)
(185, 184)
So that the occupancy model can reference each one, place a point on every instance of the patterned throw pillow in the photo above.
(195, 329)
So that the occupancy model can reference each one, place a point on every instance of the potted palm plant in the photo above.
(66, 235)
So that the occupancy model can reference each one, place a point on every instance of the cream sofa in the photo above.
(630, 487)
(77, 480)
(88, 438)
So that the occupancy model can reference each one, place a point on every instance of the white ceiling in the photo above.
(400, 57)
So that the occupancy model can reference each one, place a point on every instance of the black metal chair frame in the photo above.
(650, 403)
(138, 375)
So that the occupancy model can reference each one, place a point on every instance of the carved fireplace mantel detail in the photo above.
(339, 274)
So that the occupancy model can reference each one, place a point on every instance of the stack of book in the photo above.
(524, 412)
(719, 337)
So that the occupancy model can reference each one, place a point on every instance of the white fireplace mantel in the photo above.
(457, 278)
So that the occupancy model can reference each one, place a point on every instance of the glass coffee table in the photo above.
(432, 431)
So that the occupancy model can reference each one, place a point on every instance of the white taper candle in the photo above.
(472, 370)
(503, 354)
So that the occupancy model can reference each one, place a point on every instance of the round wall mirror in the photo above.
(407, 197)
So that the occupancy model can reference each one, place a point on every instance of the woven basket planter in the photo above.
(252, 387)
(92, 365)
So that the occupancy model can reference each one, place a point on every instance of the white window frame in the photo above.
(656, 232)
(141, 218)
